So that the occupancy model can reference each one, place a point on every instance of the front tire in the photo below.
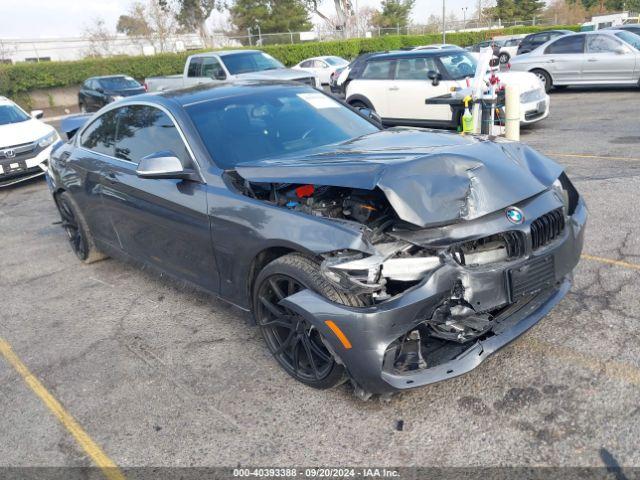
(294, 342)
(504, 58)
(545, 78)
(77, 230)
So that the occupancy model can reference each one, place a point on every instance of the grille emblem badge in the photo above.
(9, 153)
(514, 215)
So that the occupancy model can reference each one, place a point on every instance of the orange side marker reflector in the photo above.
(338, 333)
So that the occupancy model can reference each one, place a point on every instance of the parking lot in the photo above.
(160, 375)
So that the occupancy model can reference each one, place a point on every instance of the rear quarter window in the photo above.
(377, 70)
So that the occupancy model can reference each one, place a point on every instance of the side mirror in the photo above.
(435, 77)
(620, 50)
(219, 74)
(37, 114)
(164, 165)
(371, 115)
(99, 89)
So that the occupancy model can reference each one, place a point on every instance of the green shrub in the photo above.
(24, 77)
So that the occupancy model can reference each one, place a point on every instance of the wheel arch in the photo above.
(360, 98)
(266, 256)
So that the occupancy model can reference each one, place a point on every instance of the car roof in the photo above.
(101, 77)
(223, 53)
(212, 91)
(412, 53)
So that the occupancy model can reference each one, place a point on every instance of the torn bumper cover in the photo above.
(515, 289)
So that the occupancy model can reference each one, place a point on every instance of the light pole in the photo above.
(444, 33)
(259, 32)
(464, 17)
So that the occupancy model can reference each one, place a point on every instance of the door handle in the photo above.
(592, 60)
(111, 177)
(551, 60)
(393, 89)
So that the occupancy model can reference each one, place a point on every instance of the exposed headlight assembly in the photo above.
(358, 272)
(532, 95)
(567, 192)
(48, 139)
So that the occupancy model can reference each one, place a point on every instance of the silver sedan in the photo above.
(603, 57)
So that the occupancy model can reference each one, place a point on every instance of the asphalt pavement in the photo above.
(157, 375)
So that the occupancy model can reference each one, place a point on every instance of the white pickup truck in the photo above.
(229, 65)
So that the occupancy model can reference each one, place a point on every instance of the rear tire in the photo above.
(75, 225)
(545, 78)
(504, 58)
(296, 344)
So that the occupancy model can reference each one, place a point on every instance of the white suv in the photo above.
(25, 143)
(396, 86)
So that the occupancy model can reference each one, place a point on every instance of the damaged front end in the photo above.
(441, 290)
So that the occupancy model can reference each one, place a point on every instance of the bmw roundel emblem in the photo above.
(514, 215)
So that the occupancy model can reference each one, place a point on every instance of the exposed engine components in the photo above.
(394, 262)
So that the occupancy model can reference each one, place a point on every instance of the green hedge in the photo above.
(17, 80)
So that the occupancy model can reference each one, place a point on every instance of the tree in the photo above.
(151, 22)
(566, 13)
(273, 16)
(394, 13)
(527, 9)
(344, 10)
(191, 15)
(99, 38)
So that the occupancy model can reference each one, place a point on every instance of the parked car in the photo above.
(322, 67)
(396, 86)
(630, 27)
(25, 143)
(534, 40)
(509, 48)
(393, 258)
(96, 92)
(495, 44)
(602, 57)
(227, 65)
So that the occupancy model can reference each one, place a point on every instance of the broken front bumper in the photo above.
(371, 331)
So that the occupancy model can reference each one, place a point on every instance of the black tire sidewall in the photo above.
(337, 374)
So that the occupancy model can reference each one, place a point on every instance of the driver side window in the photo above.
(143, 130)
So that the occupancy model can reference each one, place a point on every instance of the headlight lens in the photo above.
(532, 95)
(48, 139)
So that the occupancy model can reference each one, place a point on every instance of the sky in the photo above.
(68, 18)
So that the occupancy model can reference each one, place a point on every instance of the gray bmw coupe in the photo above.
(388, 258)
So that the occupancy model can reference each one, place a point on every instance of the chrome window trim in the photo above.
(147, 104)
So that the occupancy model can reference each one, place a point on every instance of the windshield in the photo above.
(273, 121)
(335, 61)
(250, 62)
(458, 64)
(119, 83)
(12, 114)
(631, 38)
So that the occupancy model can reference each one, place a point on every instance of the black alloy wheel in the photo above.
(71, 225)
(293, 341)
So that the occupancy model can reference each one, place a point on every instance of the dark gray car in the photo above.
(391, 258)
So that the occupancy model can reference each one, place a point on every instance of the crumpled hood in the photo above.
(430, 178)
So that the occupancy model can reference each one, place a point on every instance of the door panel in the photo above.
(160, 221)
(565, 59)
(163, 222)
(603, 64)
(374, 84)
